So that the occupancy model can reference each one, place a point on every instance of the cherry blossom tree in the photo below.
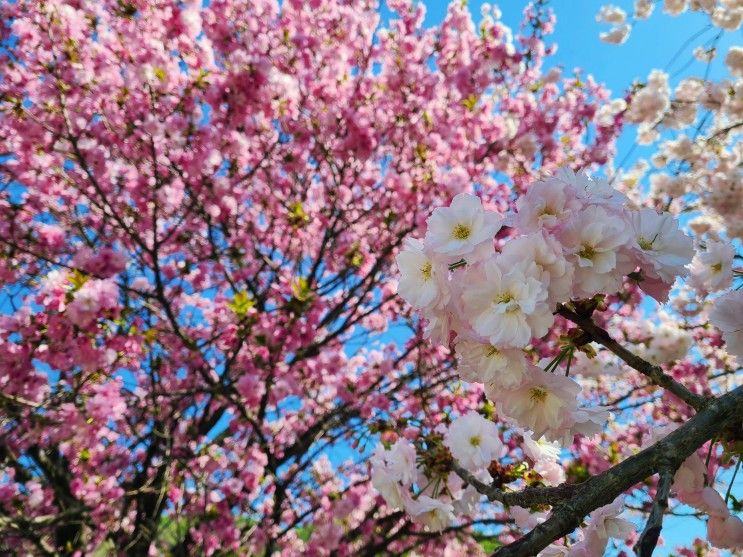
(219, 221)
(201, 208)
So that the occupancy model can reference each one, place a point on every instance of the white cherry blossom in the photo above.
(473, 440)
(422, 278)
(727, 315)
(712, 269)
(661, 248)
(605, 521)
(435, 514)
(545, 205)
(555, 271)
(393, 471)
(592, 240)
(545, 403)
(460, 228)
(509, 307)
(481, 362)
(541, 449)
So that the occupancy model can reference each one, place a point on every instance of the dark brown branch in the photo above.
(654, 373)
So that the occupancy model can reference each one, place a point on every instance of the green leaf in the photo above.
(304, 532)
(301, 289)
(470, 102)
(297, 215)
(241, 303)
(77, 279)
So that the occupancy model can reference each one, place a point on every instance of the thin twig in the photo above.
(655, 373)
(649, 537)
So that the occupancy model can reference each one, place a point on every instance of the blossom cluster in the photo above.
(571, 238)
(723, 14)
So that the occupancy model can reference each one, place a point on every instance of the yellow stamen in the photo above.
(462, 232)
(644, 243)
(538, 394)
(587, 252)
(427, 271)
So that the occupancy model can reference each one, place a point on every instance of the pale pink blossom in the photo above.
(643, 9)
(526, 519)
(541, 449)
(435, 514)
(734, 61)
(661, 249)
(611, 14)
(592, 239)
(727, 315)
(507, 306)
(707, 500)
(422, 277)
(473, 441)
(592, 190)
(554, 270)
(675, 7)
(725, 532)
(461, 227)
(393, 471)
(589, 421)
(545, 205)
(605, 521)
(552, 472)
(712, 269)
(544, 402)
(481, 362)
(617, 34)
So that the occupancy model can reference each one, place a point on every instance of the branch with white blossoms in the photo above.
(668, 453)
(489, 287)
(725, 15)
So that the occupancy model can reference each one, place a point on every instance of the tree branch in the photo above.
(668, 453)
(649, 537)
(526, 498)
(654, 373)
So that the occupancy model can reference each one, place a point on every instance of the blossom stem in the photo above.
(550, 367)
(706, 462)
(457, 264)
(570, 360)
(666, 454)
(732, 480)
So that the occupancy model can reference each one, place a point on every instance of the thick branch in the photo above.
(654, 373)
(649, 537)
(668, 453)
(525, 498)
